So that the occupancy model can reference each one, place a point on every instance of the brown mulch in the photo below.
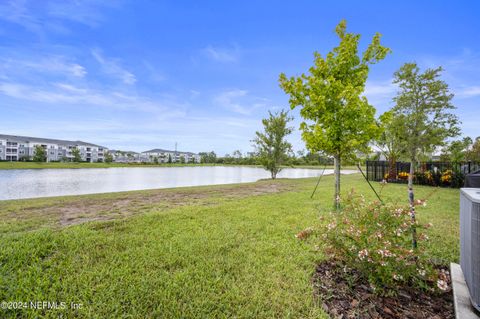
(343, 300)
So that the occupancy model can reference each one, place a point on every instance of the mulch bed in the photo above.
(343, 300)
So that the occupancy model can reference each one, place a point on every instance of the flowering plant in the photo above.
(376, 240)
(403, 175)
(446, 177)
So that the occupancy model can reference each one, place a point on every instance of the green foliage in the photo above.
(108, 157)
(271, 145)
(169, 158)
(208, 157)
(76, 155)
(182, 159)
(389, 141)
(338, 118)
(422, 107)
(40, 154)
(456, 151)
(375, 240)
(473, 154)
(155, 160)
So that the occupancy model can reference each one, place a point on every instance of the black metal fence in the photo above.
(445, 174)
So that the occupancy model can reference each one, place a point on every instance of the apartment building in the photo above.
(166, 156)
(119, 156)
(18, 148)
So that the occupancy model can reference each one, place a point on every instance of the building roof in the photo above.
(159, 150)
(26, 139)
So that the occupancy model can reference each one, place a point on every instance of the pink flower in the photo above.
(384, 253)
(362, 254)
(331, 226)
(442, 284)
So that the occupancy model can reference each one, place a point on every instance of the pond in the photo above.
(31, 183)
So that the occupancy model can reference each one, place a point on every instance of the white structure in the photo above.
(127, 157)
(165, 156)
(17, 148)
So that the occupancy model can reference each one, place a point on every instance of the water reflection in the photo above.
(16, 184)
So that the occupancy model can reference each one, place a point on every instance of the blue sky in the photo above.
(136, 75)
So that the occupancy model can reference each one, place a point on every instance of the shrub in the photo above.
(403, 176)
(376, 241)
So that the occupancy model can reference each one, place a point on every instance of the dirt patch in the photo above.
(343, 300)
(80, 209)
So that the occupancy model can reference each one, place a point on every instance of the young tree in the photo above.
(473, 154)
(40, 154)
(422, 106)
(389, 142)
(237, 155)
(182, 159)
(456, 151)
(338, 118)
(108, 157)
(271, 145)
(76, 155)
(169, 158)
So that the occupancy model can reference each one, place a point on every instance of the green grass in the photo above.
(216, 251)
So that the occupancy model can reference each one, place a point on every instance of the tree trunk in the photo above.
(411, 198)
(336, 199)
(411, 174)
(274, 173)
(392, 169)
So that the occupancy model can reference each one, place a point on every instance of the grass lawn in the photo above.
(216, 251)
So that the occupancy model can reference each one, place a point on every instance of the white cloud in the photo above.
(45, 64)
(226, 100)
(49, 15)
(64, 93)
(380, 93)
(238, 101)
(224, 55)
(380, 89)
(470, 91)
(112, 67)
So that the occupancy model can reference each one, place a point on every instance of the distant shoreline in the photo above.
(56, 165)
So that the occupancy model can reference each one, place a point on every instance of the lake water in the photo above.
(30, 183)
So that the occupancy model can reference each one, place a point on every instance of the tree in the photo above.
(169, 158)
(108, 157)
(338, 119)
(456, 151)
(155, 160)
(76, 155)
(40, 154)
(422, 106)
(237, 155)
(271, 144)
(182, 159)
(389, 141)
(473, 154)
(208, 157)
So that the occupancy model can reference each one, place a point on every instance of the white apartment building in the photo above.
(128, 157)
(17, 148)
(166, 156)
